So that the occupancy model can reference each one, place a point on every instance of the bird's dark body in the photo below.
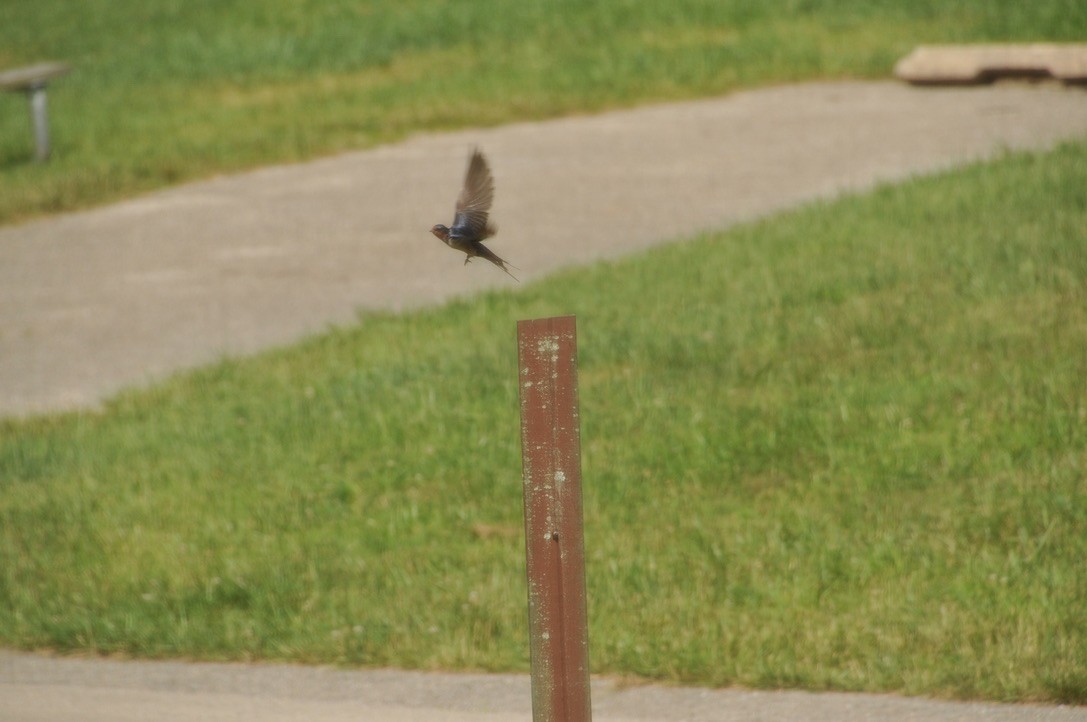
(470, 222)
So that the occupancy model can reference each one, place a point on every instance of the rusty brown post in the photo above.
(554, 543)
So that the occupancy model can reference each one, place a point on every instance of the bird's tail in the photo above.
(493, 258)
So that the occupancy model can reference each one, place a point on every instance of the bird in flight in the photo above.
(470, 224)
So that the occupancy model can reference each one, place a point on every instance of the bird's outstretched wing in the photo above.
(475, 199)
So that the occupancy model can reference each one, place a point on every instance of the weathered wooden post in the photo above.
(554, 542)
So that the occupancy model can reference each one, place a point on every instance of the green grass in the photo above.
(165, 91)
(844, 448)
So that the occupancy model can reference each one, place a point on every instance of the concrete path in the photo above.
(96, 301)
(43, 689)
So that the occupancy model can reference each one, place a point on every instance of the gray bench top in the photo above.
(31, 76)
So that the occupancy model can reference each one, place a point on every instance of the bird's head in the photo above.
(441, 232)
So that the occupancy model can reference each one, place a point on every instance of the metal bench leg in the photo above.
(40, 118)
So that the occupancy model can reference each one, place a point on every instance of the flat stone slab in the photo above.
(32, 75)
(969, 64)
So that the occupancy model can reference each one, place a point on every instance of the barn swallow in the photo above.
(470, 224)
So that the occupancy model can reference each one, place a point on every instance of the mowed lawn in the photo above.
(164, 91)
(843, 448)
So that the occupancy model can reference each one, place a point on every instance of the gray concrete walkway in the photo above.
(43, 689)
(96, 301)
